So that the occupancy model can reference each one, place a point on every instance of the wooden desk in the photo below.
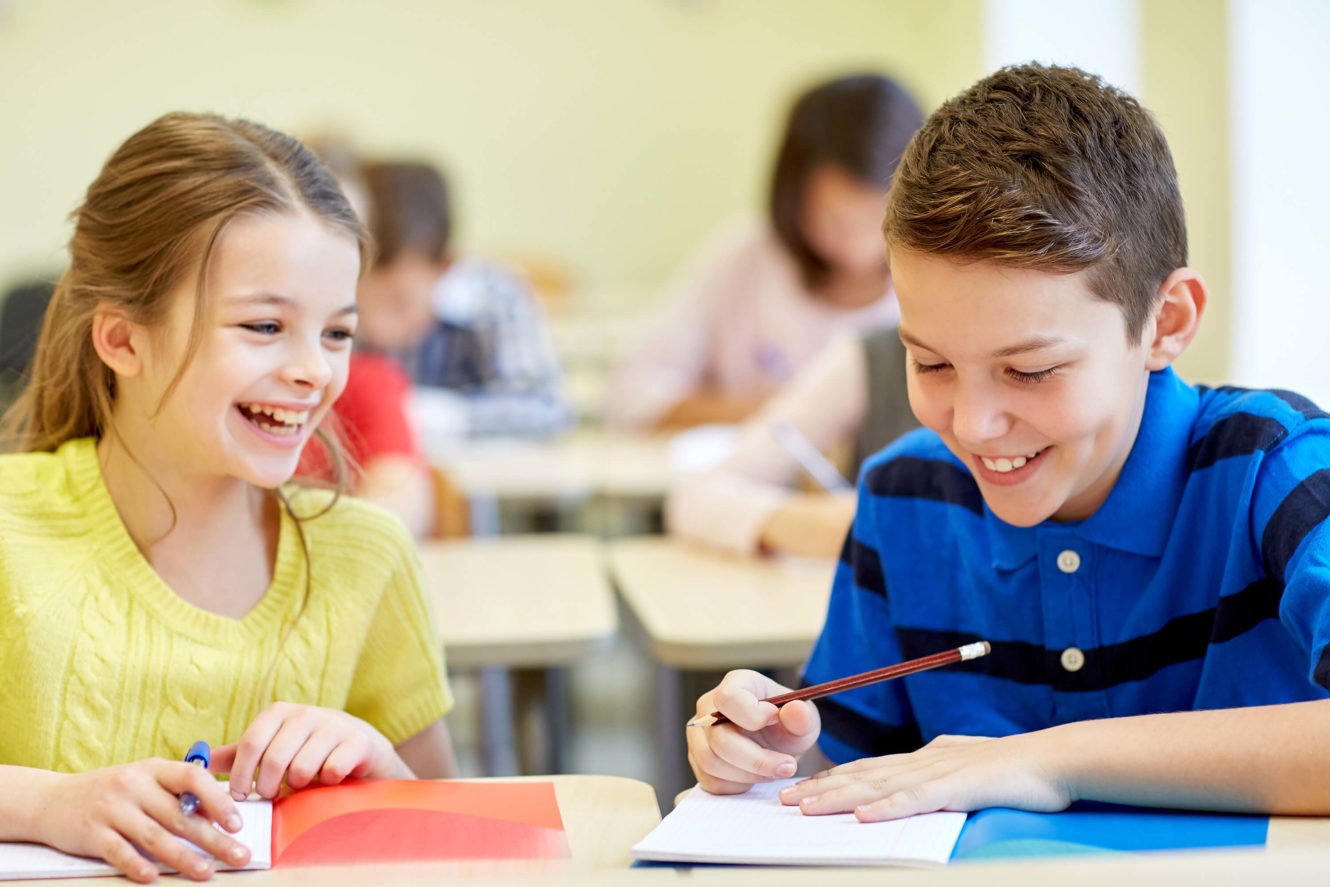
(704, 609)
(519, 602)
(568, 472)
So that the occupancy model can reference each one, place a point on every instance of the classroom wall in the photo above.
(1279, 134)
(610, 134)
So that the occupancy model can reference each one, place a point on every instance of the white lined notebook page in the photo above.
(756, 828)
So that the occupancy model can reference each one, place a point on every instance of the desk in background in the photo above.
(510, 602)
(706, 610)
(613, 470)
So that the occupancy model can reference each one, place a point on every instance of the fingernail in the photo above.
(233, 822)
(786, 769)
(787, 791)
(808, 801)
(237, 794)
(201, 866)
(237, 853)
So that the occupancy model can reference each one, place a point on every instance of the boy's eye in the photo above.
(264, 327)
(924, 368)
(1038, 376)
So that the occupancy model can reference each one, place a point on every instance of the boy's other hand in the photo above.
(761, 742)
(950, 773)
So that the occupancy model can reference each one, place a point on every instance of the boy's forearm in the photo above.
(1269, 759)
(23, 793)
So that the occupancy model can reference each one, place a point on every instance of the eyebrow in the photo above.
(283, 302)
(1034, 343)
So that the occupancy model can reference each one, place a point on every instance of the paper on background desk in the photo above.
(22, 861)
(756, 828)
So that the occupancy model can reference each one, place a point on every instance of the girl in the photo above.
(766, 298)
(157, 583)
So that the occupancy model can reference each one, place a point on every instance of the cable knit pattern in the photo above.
(102, 663)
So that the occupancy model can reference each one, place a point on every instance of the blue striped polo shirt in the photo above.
(1203, 581)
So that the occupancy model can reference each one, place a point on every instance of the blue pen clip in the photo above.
(199, 753)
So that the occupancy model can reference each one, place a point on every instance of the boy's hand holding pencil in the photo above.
(776, 724)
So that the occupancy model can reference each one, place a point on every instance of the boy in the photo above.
(1150, 561)
(460, 324)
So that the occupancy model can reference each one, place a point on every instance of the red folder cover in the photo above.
(404, 820)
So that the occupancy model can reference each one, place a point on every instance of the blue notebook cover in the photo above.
(1088, 827)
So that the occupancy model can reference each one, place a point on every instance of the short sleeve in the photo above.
(859, 635)
(400, 684)
(1291, 523)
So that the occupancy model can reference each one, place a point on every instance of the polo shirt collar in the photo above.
(1138, 515)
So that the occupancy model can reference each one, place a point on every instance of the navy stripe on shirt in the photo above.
(1181, 639)
(866, 736)
(865, 564)
(1303, 509)
(1322, 672)
(1238, 435)
(908, 477)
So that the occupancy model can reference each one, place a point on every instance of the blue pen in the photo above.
(200, 754)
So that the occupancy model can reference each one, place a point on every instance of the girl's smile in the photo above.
(272, 354)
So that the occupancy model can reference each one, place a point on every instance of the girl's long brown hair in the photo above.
(151, 217)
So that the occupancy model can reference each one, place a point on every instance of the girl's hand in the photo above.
(761, 742)
(950, 773)
(108, 813)
(300, 743)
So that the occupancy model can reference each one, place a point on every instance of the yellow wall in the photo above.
(1185, 57)
(612, 134)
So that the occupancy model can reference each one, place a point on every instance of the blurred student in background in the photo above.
(385, 463)
(456, 323)
(763, 299)
(852, 400)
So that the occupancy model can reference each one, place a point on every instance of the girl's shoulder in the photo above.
(40, 482)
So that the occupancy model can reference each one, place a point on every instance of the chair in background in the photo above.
(452, 508)
(22, 308)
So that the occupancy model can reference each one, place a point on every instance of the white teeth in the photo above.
(1003, 464)
(284, 421)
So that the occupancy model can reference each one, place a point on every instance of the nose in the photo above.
(307, 366)
(978, 415)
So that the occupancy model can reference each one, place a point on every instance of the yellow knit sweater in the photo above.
(102, 663)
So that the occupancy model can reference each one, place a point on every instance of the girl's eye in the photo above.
(340, 334)
(1040, 376)
(263, 327)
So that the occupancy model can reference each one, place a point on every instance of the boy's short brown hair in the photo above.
(410, 210)
(1047, 168)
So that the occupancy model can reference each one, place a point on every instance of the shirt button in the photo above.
(1069, 561)
(1073, 659)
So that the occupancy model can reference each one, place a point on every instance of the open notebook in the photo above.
(373, 820)
(756, 828)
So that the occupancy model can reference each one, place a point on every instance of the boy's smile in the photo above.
(1028, 378)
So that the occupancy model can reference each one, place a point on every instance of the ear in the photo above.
(1177, 317)
(119, 342)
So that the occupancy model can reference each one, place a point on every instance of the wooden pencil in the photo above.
(817, 691)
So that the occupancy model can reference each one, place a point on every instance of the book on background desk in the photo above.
(365, 821)
(755, 828)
